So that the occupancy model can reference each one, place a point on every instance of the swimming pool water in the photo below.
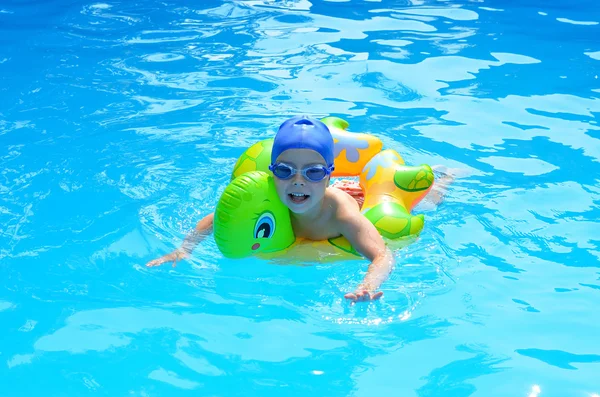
(120, 122)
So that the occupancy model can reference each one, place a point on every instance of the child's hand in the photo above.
(174, 256)
(362, 295)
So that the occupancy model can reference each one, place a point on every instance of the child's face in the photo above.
(301, 195)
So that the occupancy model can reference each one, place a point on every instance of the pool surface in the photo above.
(120, 122)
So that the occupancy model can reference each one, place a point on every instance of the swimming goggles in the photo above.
(313, 173)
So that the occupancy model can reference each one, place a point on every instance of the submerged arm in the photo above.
(203, 228)
(365, 238)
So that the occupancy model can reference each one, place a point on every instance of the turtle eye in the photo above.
(265, 226)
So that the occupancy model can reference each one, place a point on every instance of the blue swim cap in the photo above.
(303, 132)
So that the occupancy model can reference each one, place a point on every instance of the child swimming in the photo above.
(302, 163)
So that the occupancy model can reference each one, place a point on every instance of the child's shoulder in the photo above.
(341, 201)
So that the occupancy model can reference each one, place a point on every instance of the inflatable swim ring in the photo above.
(251, 220)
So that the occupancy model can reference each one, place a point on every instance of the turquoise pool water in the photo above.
(120, 122)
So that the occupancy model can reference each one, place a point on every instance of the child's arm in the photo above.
(203, 229)
(365, 238)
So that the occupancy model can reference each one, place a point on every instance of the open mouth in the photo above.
(298, 197)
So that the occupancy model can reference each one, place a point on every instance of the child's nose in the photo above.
(298, 180)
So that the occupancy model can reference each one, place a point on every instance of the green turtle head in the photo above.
(250, 218)
(256, 158)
